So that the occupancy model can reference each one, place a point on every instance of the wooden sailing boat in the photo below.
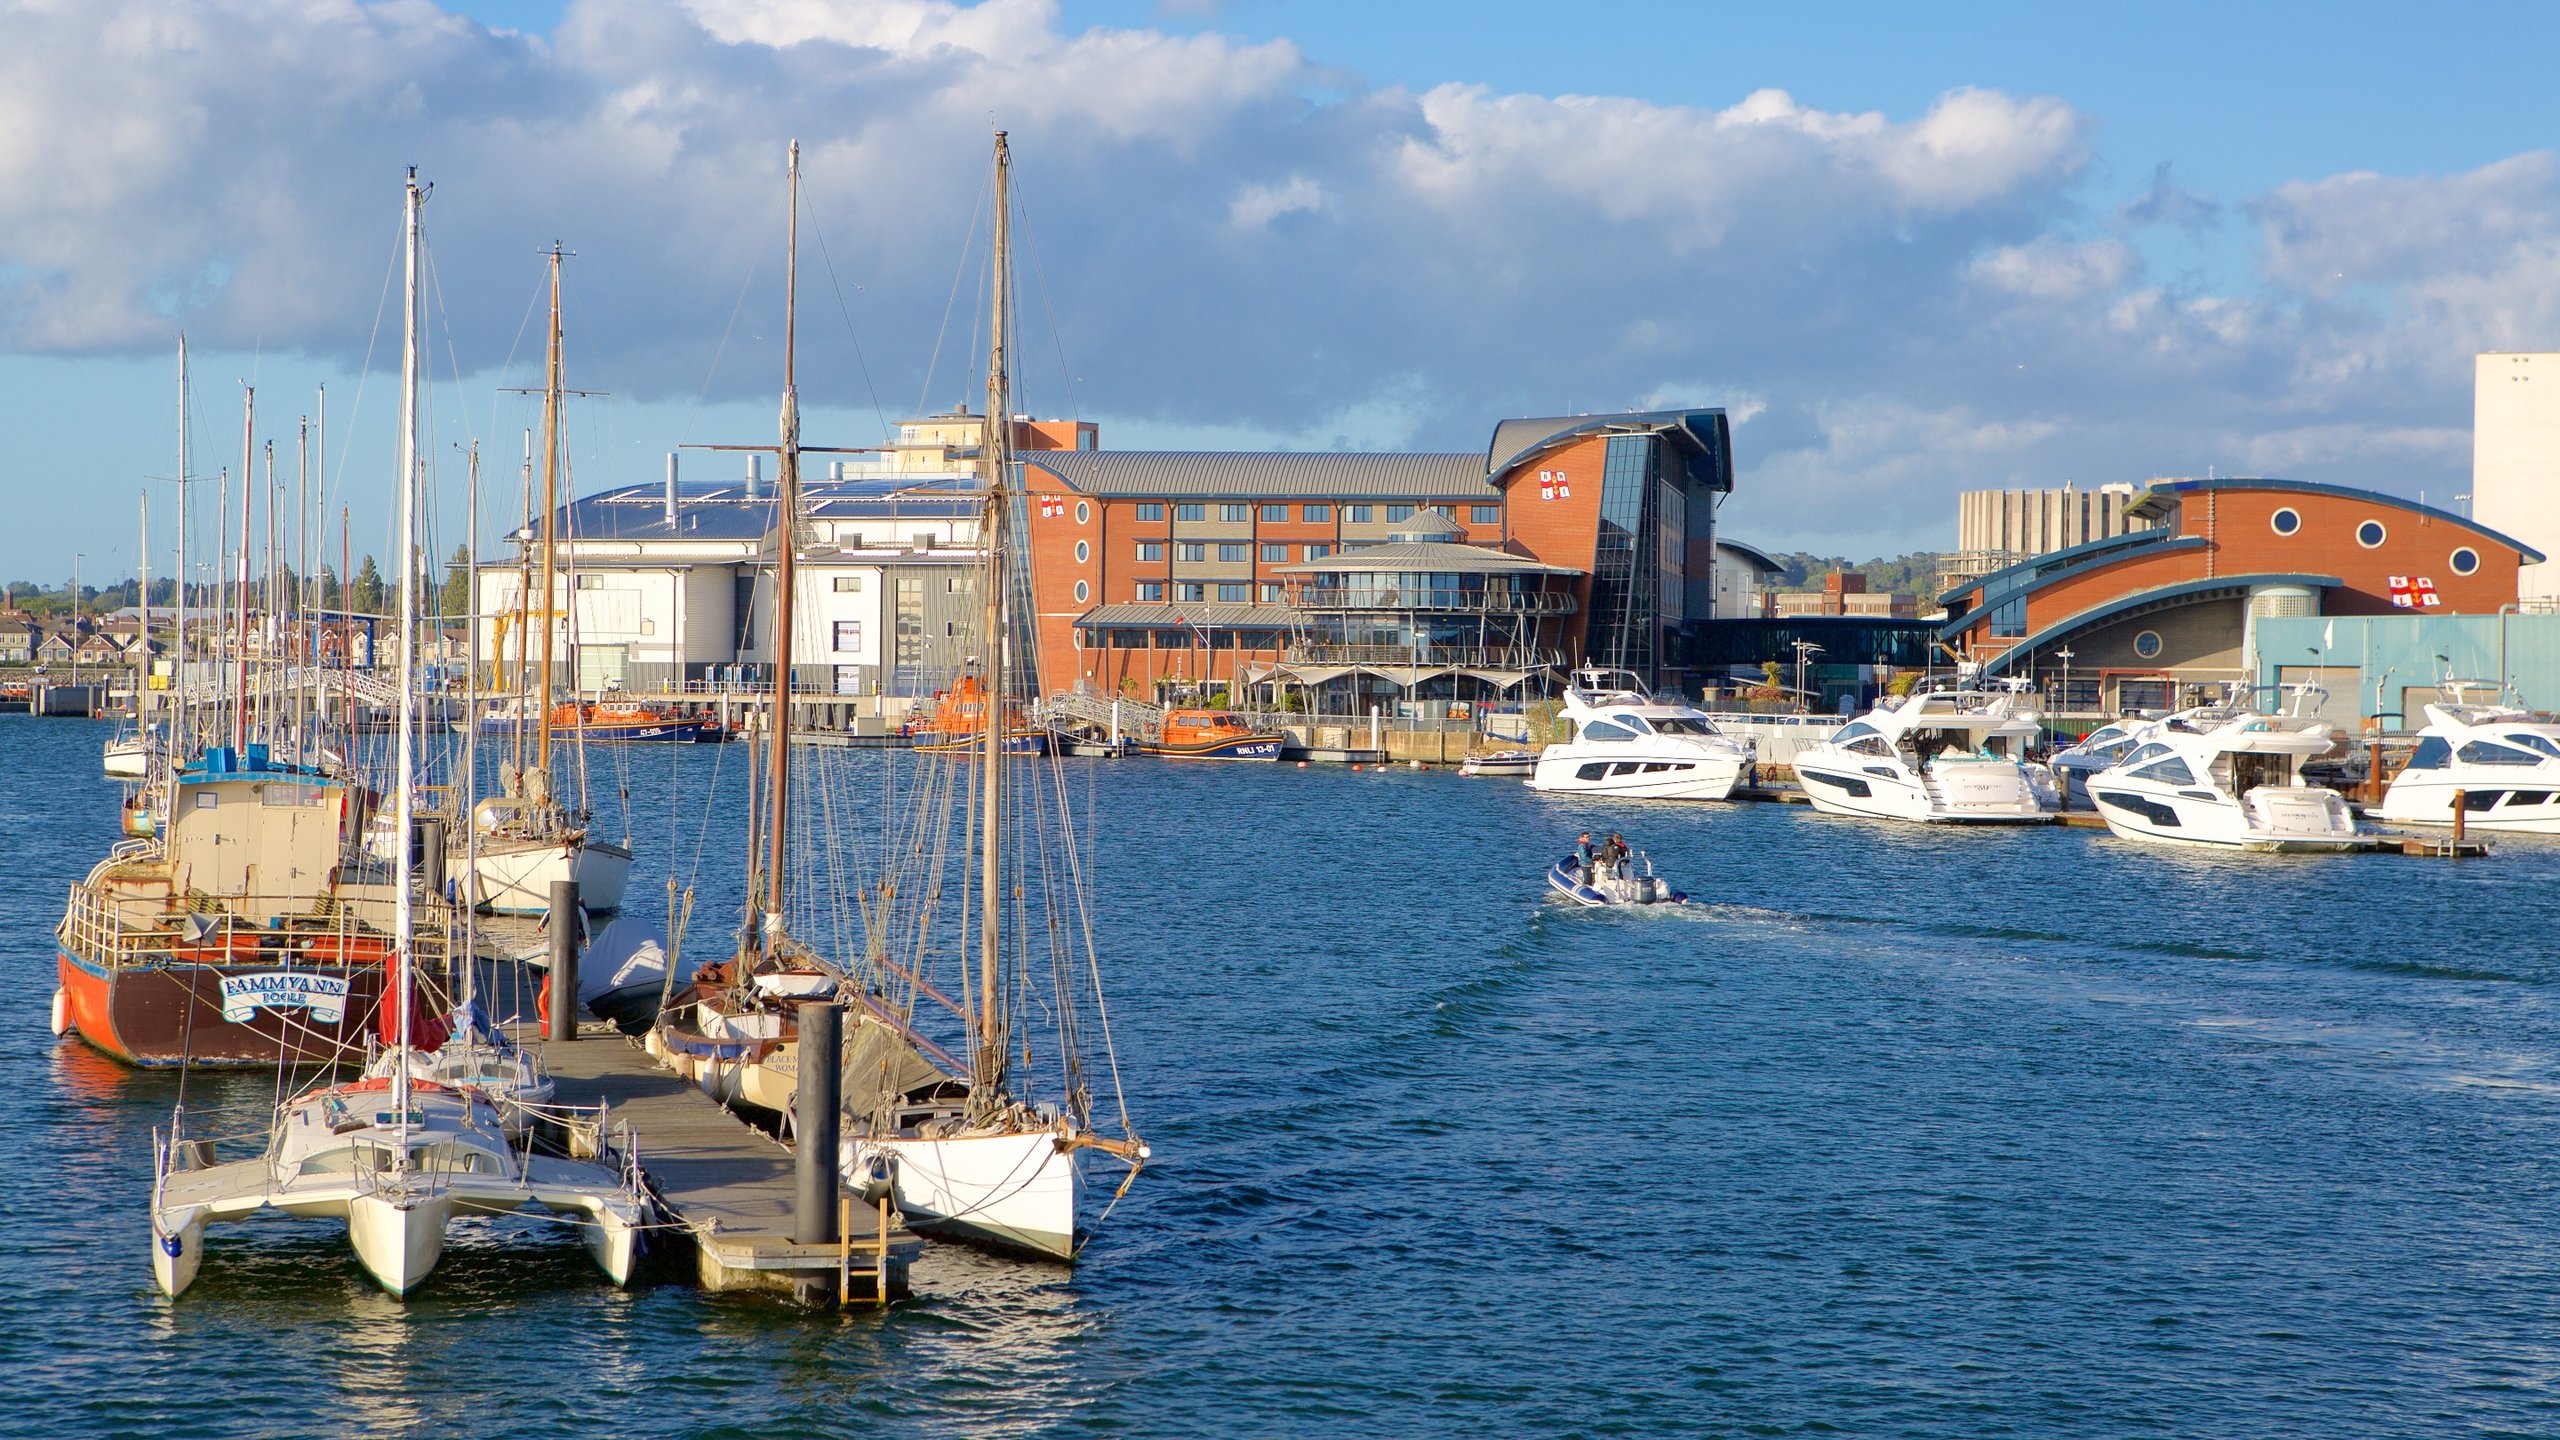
(394, 1155)
(973, 1153)
(527, 838)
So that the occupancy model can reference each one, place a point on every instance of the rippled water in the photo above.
(1901, 1132)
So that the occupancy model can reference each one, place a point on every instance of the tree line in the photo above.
(369, 594)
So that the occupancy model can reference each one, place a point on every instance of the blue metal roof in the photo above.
(724, 512)
(1260, 475)
(2142, 599)
(2163, 490)
(2069, 557)
(1704, 431)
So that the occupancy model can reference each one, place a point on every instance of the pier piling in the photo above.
(816, 1108)
(562, 982)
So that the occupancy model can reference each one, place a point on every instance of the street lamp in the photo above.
(75, 618)
(2063, 655)
(1804, 649)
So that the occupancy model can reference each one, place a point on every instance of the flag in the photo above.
(2427, 593)
(1052, 506)
(1564, 486)
(2329, 636)
(2411, 594)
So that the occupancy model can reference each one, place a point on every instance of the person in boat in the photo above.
(1584, 856)
(1613, 855)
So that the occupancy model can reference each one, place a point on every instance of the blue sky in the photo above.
(1967, 246)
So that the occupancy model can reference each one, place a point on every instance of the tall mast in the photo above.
(550, 506)
(178, 728)
(470, 731)
(404, 804)
(240, 585)
(988, 1059)
(142, 690)
(271, 708)
(787, 535)
(301, 580)
(524, 621)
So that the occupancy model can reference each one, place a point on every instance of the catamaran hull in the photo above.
(513, 878)
(1017, 1192)
(398, 1243)
(159, 1015)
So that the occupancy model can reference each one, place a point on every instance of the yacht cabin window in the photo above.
(1604, 730)
(1681, 725)
(2433, 754)
(2489, 752)
(1852, 731)
(2530, 741)
(2172, 771)
(2152, 751)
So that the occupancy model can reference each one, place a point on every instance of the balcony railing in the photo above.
(1457, 602)
(1427, 657)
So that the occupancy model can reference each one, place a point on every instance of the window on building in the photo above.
(590, 582)
(1315, 514)
(1234, 553)
(2009, 619)
(1190, 590)
(2285, 521)
(2147, 644)
(1084, 552)
(848, 584)
(1084, 592)
(1270, 593)
(1274, 554)
(1275, 514)
(1235, 514)
(2466, 560)
(1399, 512)
(848, 635)
(1151, 550)
(1151, 590)
(1190, 512)
(848, 539)
(1234, 592)
(1355, 514)
(1192, 551)
(1084, 512)
(1484, 514)
(1150, 510)
(2370, 535)
(1318, 552)
(910, 621)
(951, 585)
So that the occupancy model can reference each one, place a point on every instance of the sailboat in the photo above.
(526, 838)
(970, 1150)
(396, 1156)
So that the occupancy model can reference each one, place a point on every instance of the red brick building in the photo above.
(2142, 612)
(1154, 570)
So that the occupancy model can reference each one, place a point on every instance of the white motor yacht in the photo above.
(2237, 785)
(1952, 754)
(2501, 761)
(2105, 747)
(1628, 744)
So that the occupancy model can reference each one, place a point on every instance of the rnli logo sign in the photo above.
(2417, 594)
(325, 996)
(1052, 506)
(1554, 485)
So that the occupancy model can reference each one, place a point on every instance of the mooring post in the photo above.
(815, 1122)
(563, 980)
(2461, 803)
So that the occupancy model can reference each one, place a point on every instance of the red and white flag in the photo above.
(1553, 485)
(1052, 506)
(2411, 594)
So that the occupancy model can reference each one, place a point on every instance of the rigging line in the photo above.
(1057, 337)
(331, 490)
(969, 243)
(719, 351)
(860, 360)
(453, 361)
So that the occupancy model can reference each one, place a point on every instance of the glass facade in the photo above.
(1625, 584)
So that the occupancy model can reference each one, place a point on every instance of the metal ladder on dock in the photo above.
(1139, 719)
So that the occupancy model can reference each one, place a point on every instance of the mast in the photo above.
(787, 536)
(271, 709)
(240, 584)
(524, 621)
(471, 730)
(179, 726)
(987, 1060)
(404, 804)
(550, 508)
(302, 579)
(142, 691)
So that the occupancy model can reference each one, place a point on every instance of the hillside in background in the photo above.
(1912, 574)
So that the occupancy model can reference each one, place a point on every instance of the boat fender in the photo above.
(874, 1176)
(61, 1011)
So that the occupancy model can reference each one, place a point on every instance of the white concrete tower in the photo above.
(2515, 457)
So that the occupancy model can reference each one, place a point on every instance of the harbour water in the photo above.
(1901, 1132)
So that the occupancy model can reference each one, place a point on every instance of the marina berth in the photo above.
(2493, 761)
(2237, 785)
(1628, 745)
(1947, 755)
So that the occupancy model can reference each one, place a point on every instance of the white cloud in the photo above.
(1901, 305)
